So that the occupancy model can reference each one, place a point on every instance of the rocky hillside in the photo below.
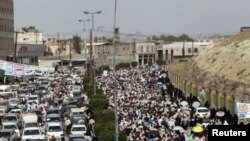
(224, 66)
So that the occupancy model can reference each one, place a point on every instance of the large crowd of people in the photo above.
(150, 109)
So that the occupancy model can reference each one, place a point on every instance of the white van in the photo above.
(30, 120)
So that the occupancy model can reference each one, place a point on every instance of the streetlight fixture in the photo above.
(85, 46)
(92, 30)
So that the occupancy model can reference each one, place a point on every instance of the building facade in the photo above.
(29, 35)
(6, 28)
(144, 53)
(30, 45)
(180, 51)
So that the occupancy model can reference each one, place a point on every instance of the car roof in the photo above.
(32, 128)
(53, 115)
(76, 110)
(76, 135)
(78, 125)
(54, 124)
(202, 108)
(6, 130)
(9, 123)
(10, 114)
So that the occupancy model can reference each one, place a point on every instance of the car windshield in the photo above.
(9, 127)
(77, 94)
(50, 119)
(77, 139)
(78, 113)
(53, 112)
(13, 101)
(9, 118)
(31, 125)
(4, 134)
(31, 132)
(15, 111)
(78, 129)
(24, 91)
(32, 98)
(202, 110)
(55, 129)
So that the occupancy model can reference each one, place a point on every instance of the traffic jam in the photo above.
(45, 108)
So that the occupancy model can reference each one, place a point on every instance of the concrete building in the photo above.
(29, 35)
(6, 29)
(30, 45)
(144, 53)
(56, 48)
(180, 51)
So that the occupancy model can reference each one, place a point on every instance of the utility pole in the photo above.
(58, 47)
(15, 50)
(91, 59)
(114, 75)
(70, 56)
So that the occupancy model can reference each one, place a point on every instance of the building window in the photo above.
(195, 50)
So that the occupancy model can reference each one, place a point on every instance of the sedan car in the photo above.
(13, 118)
(202, 112)
(8, 135)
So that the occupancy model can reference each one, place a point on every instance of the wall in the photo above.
(214, 97)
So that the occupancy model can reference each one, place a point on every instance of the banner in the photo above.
(18, 69)
(242, 110)
(8, 68)
(15, 69)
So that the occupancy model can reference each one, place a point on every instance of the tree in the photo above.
(77, 44)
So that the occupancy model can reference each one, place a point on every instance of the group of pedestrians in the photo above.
(149, 106)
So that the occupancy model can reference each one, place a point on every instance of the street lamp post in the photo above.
(85, 46)
(92, 30)
(113, 64)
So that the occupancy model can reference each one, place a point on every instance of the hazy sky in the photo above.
(145, 16)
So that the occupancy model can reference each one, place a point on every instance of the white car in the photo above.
(32, 133)
(54, 129)
(78, 129)
(11, 126)
(33, 98)
(16, 111)
(202, 112)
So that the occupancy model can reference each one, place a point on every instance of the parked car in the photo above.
(77, 138)
(53, 118)
(54, 129)
(202, 112)
(32, 133)
(3, 111)
(11, 126)
(13, 118)
(8, 135)
(12, 103)
(78, 129)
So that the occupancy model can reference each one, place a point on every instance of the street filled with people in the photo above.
(45, 108)
(150, 108)
(55, 107)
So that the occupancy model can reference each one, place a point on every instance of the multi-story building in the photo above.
(29, 35)
(144, 53)
(29, 45)
(6, 29)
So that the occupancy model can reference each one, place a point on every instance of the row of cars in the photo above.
(20, 123)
